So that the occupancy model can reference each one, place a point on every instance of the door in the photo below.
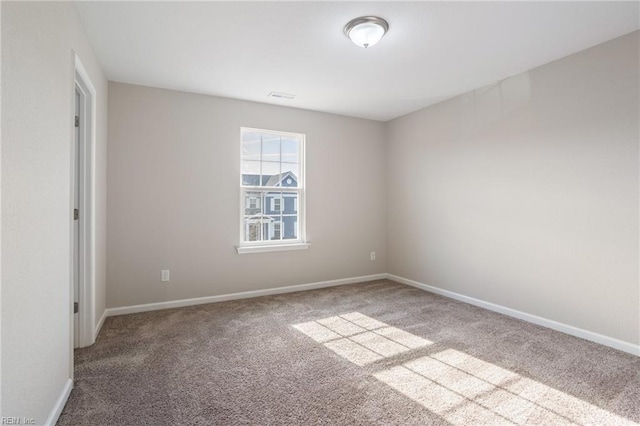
(76, 225)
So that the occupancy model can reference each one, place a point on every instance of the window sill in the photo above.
(268, 248)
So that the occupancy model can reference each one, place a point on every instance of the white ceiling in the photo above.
(433, 50)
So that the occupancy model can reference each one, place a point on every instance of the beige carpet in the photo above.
(372, 353)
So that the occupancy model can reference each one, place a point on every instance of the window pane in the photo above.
(270, 174)
(251, 173)
(290, 150)
(271, 148)
(290, 204)
(290, 227)
(252, 229)
(290, 180)
(252, 203)
(273, 203)
(277, 231)
(251, 146)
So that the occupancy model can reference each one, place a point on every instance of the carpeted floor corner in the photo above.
(372, 353)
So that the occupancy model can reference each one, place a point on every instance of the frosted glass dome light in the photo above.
(366, 30)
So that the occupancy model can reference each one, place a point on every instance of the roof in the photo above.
(267, 180)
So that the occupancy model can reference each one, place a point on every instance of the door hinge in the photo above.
(75, 307)
(76, 214)
(77, 122)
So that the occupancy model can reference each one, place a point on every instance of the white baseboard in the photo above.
(62, 400)
(554, 325)
(243, 295)
(99, 326)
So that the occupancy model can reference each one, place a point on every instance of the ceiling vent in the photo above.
(279, 95)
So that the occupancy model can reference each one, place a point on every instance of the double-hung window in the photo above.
(271, 191)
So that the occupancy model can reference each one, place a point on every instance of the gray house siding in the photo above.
(286, 218)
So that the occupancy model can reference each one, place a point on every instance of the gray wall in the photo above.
(173, 197)
(525, 193)
(37, 110)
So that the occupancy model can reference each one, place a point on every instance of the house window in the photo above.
(271, 189)
(276, 204)
(276, 231)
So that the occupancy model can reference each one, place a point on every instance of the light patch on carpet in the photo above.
(438, 399)
(363, 320)
(409, 340)
(361, 339)
(317, 332)
(458, 387)
(341, 326)
(353, 352)
(461, 388)
(379, 344)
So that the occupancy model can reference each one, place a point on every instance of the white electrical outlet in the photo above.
(373, 255)
(164, 275)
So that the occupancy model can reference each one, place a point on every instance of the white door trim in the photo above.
(87, 251)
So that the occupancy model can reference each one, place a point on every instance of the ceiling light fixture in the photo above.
(366, 31)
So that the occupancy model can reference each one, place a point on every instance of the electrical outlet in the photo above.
(373, 255)
(164, 275)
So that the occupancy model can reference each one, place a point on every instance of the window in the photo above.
(253, 203)
(276, 206)
(271, 190)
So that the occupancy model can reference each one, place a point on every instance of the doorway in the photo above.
(76, 222)
(82, 230)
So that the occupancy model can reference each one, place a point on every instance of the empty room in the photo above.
(337, 213)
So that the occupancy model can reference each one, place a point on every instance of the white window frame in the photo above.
(245, 247)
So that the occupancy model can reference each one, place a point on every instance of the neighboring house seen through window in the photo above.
(272, 187)
(252, 203)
